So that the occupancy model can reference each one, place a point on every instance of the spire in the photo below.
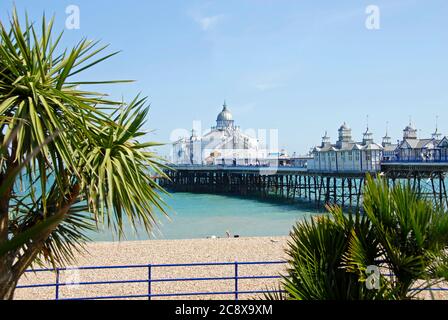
(325, 139)
(436, 135)
(386, 138)
(224, 106)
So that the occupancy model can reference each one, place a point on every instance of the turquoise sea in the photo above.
(203, 215)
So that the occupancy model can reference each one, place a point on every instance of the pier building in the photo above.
(413, 149)
(335, 173)
(346, 155)
(223, 144)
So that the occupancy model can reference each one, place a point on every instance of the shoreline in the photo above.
(117, 242)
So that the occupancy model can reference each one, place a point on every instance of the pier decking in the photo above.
(300, 184)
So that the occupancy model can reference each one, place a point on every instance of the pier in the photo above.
(224, 161)
(304, 185)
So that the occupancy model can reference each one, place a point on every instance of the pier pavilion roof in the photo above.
(443, 143)
(418, 143)
(390, 147)
(345, 142)
(373, 146)
(348, 147)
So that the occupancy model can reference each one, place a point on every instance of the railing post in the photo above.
(57, 284)
(236, 280)
(149, 281)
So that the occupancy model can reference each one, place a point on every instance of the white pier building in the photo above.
(346, 155)
(225, 143)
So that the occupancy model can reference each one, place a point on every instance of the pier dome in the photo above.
(225, 114)
(225, 118)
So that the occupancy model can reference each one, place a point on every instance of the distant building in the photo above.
(411, 148)
(283, 159)
(224, 144)
(346, 155)
(300, 161)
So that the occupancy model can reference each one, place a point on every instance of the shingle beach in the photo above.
(166, 252)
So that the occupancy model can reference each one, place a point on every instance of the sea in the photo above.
(195, 216)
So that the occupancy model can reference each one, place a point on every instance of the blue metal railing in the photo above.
(149, 294)
(150, 280)
(415, 160)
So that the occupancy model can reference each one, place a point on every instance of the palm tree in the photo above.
(71, 159)
(317, 254)
(398, 233)
(412, 235)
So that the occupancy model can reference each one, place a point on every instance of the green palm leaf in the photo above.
(91, 166)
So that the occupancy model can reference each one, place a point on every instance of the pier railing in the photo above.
(416, 160)
(235, 277)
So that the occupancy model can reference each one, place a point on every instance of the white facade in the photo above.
(411, 148)
(223, 144)
(347, 155)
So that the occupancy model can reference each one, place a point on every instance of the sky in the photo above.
(301, 67)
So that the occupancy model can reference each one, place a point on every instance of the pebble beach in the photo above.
(165, 252)
(171, 252)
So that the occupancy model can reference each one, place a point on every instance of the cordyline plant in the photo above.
(70, 159)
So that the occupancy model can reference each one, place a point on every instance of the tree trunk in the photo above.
(8, 281)
(12, 267)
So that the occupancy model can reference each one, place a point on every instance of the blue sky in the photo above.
(302, 67)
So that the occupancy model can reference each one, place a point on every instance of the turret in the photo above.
(437, 135)
(325, 140)
(409, 132)
(345, 133)
(367, 137)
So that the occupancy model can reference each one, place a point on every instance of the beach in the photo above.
(166, 252)
(158, 252)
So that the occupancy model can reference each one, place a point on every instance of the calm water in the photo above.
(203, 215)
